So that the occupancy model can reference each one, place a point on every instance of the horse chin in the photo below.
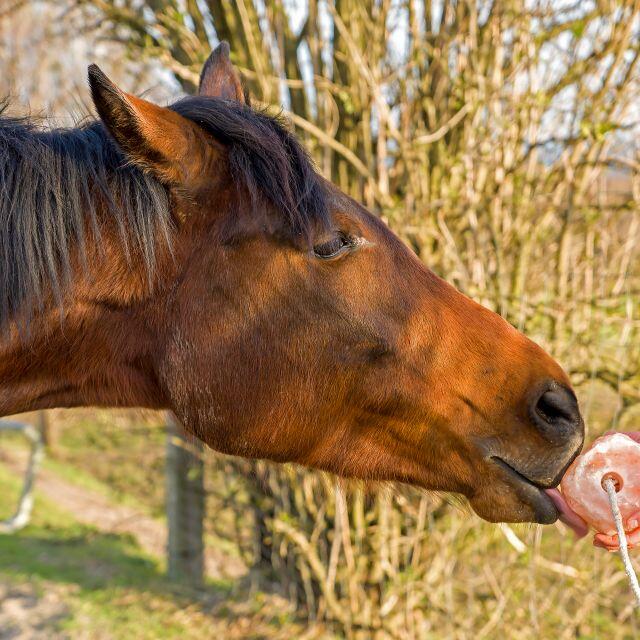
(512, 499)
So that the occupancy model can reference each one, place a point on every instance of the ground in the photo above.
(90, 565)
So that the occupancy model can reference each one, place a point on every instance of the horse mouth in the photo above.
(532, 493)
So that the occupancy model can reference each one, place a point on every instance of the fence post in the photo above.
(46, 431)
(185, 504)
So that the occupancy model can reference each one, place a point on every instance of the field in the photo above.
(62, 577)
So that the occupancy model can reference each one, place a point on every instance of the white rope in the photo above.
(610, 486)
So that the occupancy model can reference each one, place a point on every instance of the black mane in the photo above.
(50, 181)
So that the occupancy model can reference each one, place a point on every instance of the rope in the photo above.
(609, 485)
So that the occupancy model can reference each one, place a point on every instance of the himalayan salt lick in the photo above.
(616, 456)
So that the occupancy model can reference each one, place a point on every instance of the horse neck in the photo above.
(91, 347)
(76, 219)
(91, 356)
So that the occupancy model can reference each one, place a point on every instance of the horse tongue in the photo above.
(567, 515)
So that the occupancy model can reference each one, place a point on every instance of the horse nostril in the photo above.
(555, 405)
(556, 413)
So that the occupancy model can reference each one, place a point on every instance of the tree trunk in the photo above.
(185, 505)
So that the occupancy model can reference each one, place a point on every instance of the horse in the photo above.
(190, 258)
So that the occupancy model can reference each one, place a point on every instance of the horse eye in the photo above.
(333, 247)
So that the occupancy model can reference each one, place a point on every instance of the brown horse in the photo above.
(191, 258)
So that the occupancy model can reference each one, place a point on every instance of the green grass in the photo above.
(122, 452)
(111, 587)
(121, 455)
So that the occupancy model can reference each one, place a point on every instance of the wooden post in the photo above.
(185, 505)
(44, 426)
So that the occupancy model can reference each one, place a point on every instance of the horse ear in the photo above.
(219, 78)
(152, 137)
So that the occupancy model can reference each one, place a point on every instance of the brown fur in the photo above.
(367, 365)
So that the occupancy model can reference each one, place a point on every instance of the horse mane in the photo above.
(265, 159)
(51, 181)
(51, 184)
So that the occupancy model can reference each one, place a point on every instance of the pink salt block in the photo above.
(616, 456)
